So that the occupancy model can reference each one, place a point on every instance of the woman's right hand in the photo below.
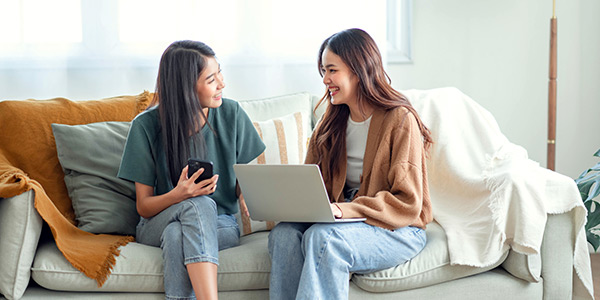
(148, 205)
(188, 188)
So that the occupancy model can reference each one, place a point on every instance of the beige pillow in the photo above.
(286, 141)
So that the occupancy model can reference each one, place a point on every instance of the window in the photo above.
(399, 31)
(39, 28)
(116, 32)
(40, 22)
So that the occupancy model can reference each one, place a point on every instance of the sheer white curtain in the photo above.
(84, 49)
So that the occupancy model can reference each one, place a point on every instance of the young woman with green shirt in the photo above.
(189, 221)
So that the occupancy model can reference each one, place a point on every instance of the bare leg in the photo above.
(203, 276)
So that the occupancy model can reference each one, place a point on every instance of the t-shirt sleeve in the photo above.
(248, 142)
(137, 162)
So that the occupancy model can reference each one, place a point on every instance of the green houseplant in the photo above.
(589, 188)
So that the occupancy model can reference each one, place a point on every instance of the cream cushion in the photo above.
(275, 107)
(139, 268)
(286, 140)
(431, 266)
(285, 124)
(20, 229)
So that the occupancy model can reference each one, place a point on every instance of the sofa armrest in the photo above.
(20, 229)
(557, 256)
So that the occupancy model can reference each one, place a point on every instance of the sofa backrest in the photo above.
(274, 107)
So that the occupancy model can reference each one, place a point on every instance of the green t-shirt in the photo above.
(235, 141)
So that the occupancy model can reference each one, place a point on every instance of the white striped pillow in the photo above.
(286, 140)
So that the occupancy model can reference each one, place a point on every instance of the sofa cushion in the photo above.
(286, 140)
(20, 228)
(279, 106)
(431, 266)
(139, 268)
(264, 113)
(90, 155)
(525, 266)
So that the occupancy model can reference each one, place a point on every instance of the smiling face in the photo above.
(210, 85)
(341, 82)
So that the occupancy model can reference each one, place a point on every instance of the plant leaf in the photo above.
(593, 239)
(588, 206)
(588, 184)
(593, 218)
(596, 190)
(586, 176)
(584, 190)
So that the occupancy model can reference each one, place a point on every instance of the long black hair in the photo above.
(178, 104)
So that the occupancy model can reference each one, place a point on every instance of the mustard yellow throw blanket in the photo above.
(28, 160)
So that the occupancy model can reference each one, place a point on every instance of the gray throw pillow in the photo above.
(90, 156)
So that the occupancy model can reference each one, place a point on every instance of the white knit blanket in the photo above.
(486, 193)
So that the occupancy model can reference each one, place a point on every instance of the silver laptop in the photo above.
(288, 193)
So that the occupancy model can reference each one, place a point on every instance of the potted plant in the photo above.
(589, 188)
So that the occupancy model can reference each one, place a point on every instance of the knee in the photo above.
(316, 236)
(171, 235)
(202, 203)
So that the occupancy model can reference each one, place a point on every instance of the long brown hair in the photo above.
(359, 52)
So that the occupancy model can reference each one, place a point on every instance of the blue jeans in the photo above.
(314, 261)
(188, 232)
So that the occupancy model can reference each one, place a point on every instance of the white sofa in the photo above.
(34, 268)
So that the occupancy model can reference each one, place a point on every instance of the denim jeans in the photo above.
(314, 261)
(188, 232)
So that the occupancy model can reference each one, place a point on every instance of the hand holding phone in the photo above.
(195, 164)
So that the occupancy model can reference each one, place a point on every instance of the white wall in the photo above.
(495, 51)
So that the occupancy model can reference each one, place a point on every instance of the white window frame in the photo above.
(399, 31)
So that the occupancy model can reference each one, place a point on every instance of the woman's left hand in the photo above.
(335, 209)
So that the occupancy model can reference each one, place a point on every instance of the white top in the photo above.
(356, 142)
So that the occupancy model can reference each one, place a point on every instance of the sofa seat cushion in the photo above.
(431, 266)
(139, 268)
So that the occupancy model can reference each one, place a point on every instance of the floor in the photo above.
(596, 274)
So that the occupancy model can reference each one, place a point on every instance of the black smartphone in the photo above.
(195, 165)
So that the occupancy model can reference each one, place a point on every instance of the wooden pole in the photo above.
(551, 157)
